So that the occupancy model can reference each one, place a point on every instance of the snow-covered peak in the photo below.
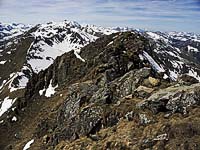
(93, 29)
(63, 24)
(123, 29)
(56, 27)
(12, 26)
(183, 36)
(55, 38)
(170, 37)
(8, 31)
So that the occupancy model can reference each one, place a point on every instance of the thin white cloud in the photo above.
(157, 13)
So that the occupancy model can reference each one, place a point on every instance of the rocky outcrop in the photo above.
(173, 99)
(187, 80)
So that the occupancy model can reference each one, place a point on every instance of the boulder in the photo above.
(130, 81)
(87, 121)
(173, 99)
(154, 81)
(143, 92)
(79, 94)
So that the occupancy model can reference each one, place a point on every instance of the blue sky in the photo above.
(164, 15)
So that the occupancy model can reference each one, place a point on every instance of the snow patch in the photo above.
(2, 62)
(28, 145)
(153, 35)
(3, 83)
(41, 92)
(165, 76)
(105, 31)
(173, 75)
(178, 50)
(196, 40)
(14, 118)
(161, 137)
(50, 90)
(177, 64)
(6, 104)
(23, 80)
(193, 74)
(192, 49)
(152, 62)
(78, 56)
(13, 109)
(171, 53)
(141, 57)
(110, 43)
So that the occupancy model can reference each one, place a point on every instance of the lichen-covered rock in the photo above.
(144, 119)
(173, 99)
(87, 121)
(154, 81)
(127, 84)
(78, 96)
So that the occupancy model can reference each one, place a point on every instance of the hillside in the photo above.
(81, 87)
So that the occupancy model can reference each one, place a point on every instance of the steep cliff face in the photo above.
(103, 56)
(113, 96)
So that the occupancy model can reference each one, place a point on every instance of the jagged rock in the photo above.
(86, 122)
(186, 79)
(104, 96)
(144, 119)
(130, 81)
(79, 95)
(129, 116)
(121, 87)
(173, 99)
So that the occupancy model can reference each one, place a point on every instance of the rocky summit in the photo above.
(132, 90)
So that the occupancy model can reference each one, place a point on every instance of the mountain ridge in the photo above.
(113, 81)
